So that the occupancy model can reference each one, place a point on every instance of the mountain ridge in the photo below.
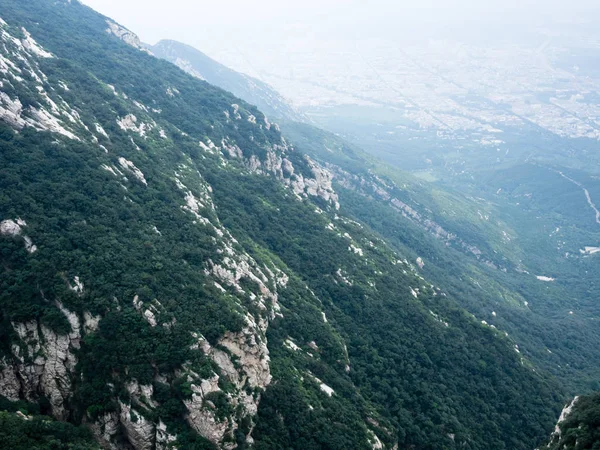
(203, 67)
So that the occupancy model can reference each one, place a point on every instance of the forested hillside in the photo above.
(578, 427)
(480, 252)
(175, 273)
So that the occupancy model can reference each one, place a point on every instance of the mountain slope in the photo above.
(250, 89)
(175, 273)
(478, 252)
(578, 426)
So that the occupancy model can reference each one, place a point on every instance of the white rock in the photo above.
(236, 111)
(140, 432)
(105, 428)
(10, 386)
(90, 322)
(291, 345)
(10, 228)
(590, 250)
(163, 438)
(125, 35)
(252, 357)
(329, 391)
(116, 172)
(11, 110)
(141, 393)
(14, 228)
(130, 123)
(77, 286)
(204, 421)
(544, 278)
(43, 120)
(566, 412)
(101, 131)
(150, 317)
(47, 363)
(141, 106)
(375, 442)
(356, 250)
(32, 46)
(128, 165)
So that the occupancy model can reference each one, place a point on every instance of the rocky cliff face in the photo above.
(555, 438)
(127, 36)
(137, 431)
(43, 364)
(243, 359)
(281, 161)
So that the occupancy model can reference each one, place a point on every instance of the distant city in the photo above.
(459, 91)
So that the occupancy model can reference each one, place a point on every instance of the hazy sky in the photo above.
(213, 24)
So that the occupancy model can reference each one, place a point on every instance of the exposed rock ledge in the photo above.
(44, 364)
(15, 228)
(278, 164)
(567, 410)
(243, 358)
(319, 185)
(129, 37)
(140, 433)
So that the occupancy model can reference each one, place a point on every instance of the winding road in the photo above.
(587, 194)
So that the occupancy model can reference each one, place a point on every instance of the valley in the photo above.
(587, 196)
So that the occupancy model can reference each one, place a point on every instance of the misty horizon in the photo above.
(212, 27)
